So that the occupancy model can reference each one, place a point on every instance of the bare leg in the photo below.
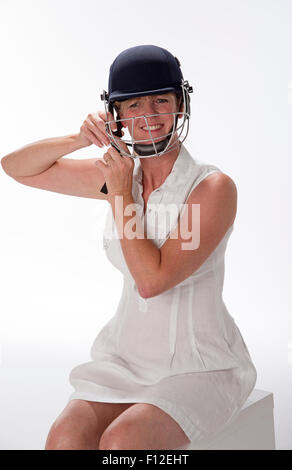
(81, 424)
(143, 426)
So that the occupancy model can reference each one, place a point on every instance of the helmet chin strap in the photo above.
(149, 149)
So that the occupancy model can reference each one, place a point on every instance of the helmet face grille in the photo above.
(151, 146)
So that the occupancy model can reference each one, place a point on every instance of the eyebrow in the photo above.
(140, 97)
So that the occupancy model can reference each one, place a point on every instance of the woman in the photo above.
(171, 365)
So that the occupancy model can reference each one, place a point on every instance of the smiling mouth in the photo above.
(154, 128)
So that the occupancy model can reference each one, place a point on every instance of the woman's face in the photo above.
(147, 105)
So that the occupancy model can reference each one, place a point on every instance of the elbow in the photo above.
(3, 163)
(145, 291)
(150, 291)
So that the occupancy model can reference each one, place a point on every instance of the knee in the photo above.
(75, 428)
(60, 437)
(55, 438)
(64, 436)
(68, 435)
(114, 439)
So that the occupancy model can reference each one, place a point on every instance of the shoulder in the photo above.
(217, 196)
(216, 180)
(217, 184)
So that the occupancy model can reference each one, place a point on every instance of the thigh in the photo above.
(145, 427)
(84, 420)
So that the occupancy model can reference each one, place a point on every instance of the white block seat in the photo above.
(252, 429)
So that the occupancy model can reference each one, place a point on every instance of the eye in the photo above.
(160, 100)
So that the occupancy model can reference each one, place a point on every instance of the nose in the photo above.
(149, 108)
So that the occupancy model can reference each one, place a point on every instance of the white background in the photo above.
(57, 287)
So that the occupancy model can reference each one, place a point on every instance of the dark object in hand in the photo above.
(118, 133)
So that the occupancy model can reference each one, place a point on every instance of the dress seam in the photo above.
(122, 320)
(194, 346)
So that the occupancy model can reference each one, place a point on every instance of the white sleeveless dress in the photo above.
(181, 350)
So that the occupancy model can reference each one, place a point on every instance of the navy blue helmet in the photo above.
(141, 71)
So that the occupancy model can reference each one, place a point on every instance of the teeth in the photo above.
(152, 128)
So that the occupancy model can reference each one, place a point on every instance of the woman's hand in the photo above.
(117, 171)
(93, 130)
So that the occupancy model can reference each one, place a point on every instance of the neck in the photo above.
(156, 169)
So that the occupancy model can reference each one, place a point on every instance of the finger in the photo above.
(91, 136)
(109, 160)
(112, 123)
(115, 155)
(92, 130)
(102, 115)
(101, 164)
(123, 145)
(118, 158)
(109, 119)
(98, 128)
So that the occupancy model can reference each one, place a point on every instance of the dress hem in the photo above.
(189, 428)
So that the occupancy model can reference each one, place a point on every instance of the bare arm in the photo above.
(161, 269)
(40, 165)
(37, 157)
(34, 158)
